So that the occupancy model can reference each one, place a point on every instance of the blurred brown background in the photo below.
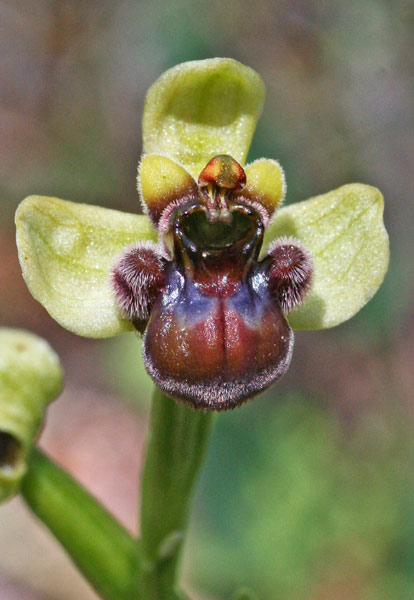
(307, 492)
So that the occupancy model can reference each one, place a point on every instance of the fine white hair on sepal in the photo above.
(137, 279)
(290, 271)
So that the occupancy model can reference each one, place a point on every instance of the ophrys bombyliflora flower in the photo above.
(207, 230)
(212, 313)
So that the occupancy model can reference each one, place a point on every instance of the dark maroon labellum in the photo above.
(216, 332)
(216, 336)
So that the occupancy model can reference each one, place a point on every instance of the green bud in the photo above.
(30, 378)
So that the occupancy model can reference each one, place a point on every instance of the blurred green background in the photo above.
(307, 493)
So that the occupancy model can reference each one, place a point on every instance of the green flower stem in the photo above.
(177, 442)
(105, 553)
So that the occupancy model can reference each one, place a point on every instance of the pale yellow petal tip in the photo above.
(162, 181)
(346, 237)
(30, 378)
(201, 109)
(67, 252)
(265, 183)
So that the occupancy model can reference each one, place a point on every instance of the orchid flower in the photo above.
(215, 274)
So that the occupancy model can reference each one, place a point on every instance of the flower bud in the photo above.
(30, 378)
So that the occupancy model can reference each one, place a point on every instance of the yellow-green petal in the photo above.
(265, 183)
(162, 181)
(200, 109)
(30, 378)
(67, 251)
(345, 234)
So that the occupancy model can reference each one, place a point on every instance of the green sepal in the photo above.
(200, 109)
(345, 234)
(67, 252)
(30, 378)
